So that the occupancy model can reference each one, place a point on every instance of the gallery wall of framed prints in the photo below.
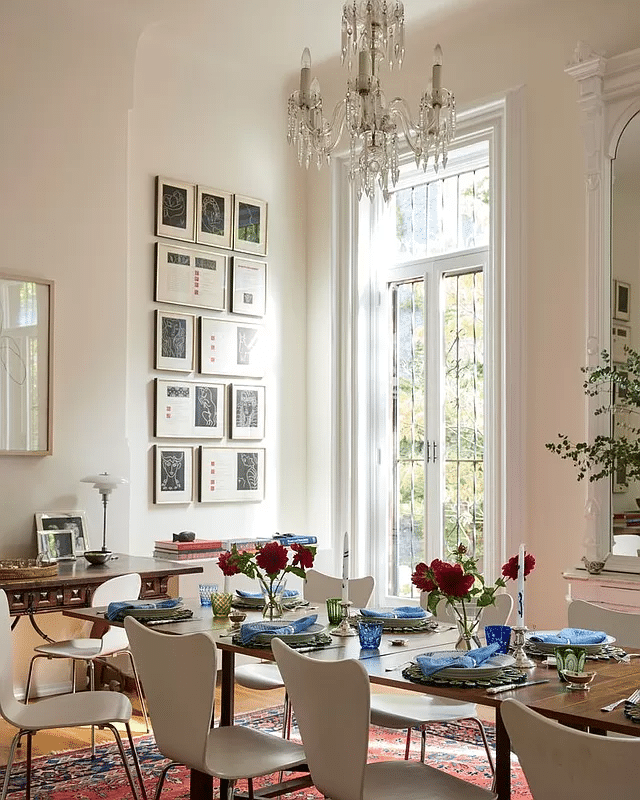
(217, 269)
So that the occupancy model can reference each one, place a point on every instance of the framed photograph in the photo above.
(173, 474)
(175, 209)
(189, 410)
(621, 300)
(75, 521)
(231, 348)
(620, 336)
(249, 287)
(57, 545)
(214, 217)
(231, 474)
(247, 411)
(190, 277)
(250, 225)
(175, 337)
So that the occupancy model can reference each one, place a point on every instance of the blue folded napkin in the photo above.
(259, 595)
(116, 606)
(570, 636)
(433, 662)
(401, 612)
(251, 629)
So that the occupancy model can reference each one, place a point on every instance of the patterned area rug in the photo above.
(454, 747)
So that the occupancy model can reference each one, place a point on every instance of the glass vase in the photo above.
(466, 615)
(273, 596)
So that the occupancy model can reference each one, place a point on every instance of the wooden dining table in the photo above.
(613, 680)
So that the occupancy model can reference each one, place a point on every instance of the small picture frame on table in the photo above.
(249, 287)
(191, 277)
(173, 474)
(54, 521)
(231, 474)
(175, 209)
(57, 545)
(621, 300)
(175, 337)
(247, 411)
(214, 217)
(189, 409)
(250, 225)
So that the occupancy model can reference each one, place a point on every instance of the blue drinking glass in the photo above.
(370, 634)
(498, 634)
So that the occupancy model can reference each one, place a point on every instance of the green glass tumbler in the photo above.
(221, 604)
(334, 610)
(569, 658)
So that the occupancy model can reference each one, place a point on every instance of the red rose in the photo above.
(303, 557)
(510, 569)
(422, 578)
(272, 558)
(451, 579)
(227, 563)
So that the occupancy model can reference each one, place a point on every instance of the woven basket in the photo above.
(16, 569)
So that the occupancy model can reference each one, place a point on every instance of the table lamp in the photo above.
(105, 484)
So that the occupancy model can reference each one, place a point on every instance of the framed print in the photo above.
(173, 474)
(190, 277)
(247, 411)
(231, 474)
(620, 336)
(175, 205)
(75, 521)
(189, 410)
(57, 545)
(621, 298)
(231, 348)
(214, 217)
(250, 225)
(249, 287)
(175, 337)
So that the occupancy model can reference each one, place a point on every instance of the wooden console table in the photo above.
(76, 581)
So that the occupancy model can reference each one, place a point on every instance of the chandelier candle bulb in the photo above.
(305, 75)
(436, 75)
(520, 599)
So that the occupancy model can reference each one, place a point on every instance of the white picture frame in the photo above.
(187, 276)
(247, 411)
(231, 474)
(57, 545)
(620, 336)
(75, 521)
(231, 348)
(175, 339)
(172, 474)
(250, 225)
(249, 287)
(175, 209)
(621, 297)
(189, 409)
(214, 217)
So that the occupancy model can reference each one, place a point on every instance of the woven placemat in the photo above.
(607, 652)
(320, 640)
(414, 674)
(632, 711)
(421, 627)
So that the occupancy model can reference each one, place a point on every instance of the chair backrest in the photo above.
(559, 761)
(319, 587)
(178, 674)
(330, 701)
(499, 612)
(9, 706)
(624, 626)
(122, 587)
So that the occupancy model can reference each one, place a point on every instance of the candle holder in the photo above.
(522, 659)
(344, 628)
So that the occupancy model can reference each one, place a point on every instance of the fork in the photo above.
(632, 699)
(400, 666)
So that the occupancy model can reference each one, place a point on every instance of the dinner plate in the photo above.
(549, 647)
(303, 636)
(396, 622)
(489, 669)
(258, 602)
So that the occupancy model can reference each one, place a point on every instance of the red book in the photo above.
(197, 544)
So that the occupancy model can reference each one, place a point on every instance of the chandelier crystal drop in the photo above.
(372, 33)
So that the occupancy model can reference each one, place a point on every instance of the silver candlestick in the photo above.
(344, 628)
(522, 659)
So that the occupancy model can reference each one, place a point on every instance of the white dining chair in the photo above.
(103, 709)
(402, 711)
(563, 762)
(112, 643)
(318, 588)
(179, 675)
(331, 703)
(622, 625)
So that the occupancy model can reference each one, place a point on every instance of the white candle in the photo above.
(436, 75)
(345, 569)
(305, 75)
(520, 597)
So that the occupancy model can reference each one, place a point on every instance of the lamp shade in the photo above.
(104, 482)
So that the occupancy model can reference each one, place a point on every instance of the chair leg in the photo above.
(27, 689)
(136, 679)
(12, 755)
(486, 744)
(29, 751)
(92, 688)
(286, 717)
(136, 761)
(125, 763)
(407, 747)
(163, 775)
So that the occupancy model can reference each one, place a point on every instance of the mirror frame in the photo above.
(609, 96)
(44, 336)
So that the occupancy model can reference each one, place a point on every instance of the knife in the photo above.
(509, 686)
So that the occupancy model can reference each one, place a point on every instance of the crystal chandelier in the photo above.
(374, 31)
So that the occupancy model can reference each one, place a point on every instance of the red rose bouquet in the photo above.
(269, 565)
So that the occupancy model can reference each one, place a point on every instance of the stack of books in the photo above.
(626, 522)
(202, 548)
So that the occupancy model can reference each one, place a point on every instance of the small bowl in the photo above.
(578, 680)
(237, 616)
(398, 642)
(98, 556)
